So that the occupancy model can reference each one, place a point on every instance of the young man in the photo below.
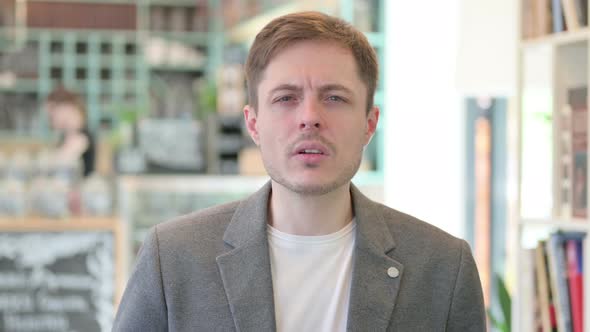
(308, 252)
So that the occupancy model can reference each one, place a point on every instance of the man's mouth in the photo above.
(310, 151)
(312, 148)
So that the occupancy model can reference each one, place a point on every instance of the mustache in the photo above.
(312, 137)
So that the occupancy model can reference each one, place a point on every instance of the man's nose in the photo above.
(311, 115)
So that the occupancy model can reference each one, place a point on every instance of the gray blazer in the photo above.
(210, 271)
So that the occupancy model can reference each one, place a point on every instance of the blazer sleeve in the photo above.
(143, 306)
(467, 311)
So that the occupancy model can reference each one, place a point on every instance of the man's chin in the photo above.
(311, 189)
(315, 183)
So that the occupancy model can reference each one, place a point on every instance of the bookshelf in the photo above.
(530, 232)
(553, 75)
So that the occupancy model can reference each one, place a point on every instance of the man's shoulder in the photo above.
(203, 223)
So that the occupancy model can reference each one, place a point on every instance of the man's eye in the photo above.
(284, 99)
(335, 99)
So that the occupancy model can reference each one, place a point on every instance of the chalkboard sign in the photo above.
(57, 280)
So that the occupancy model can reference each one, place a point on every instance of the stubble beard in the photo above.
(344, 176)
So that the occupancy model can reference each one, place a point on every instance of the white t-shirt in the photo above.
(311, 277)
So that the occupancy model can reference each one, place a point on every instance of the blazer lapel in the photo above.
(245, 269)
(376, 277)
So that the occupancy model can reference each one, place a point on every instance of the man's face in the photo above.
(311, 123)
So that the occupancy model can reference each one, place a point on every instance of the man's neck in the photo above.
(298, 214)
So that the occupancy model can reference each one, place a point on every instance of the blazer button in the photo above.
(393, 272)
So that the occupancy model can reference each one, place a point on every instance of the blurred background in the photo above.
(116, 115)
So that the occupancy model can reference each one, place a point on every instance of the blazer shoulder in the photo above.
(207, 222)
(205, 216)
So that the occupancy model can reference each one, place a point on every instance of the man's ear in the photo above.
(251, 124)
(372, 121)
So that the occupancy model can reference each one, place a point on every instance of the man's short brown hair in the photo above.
(284, 31)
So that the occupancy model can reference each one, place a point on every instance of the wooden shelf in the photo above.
(562, 224)
(16, 224)
(560, 38)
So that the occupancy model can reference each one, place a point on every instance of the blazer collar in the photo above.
(249, 220)
(246, 274)
(374, 290)
(372, 234)
(245, 268)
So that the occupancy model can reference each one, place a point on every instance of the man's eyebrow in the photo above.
(334, 87)
(288, 87)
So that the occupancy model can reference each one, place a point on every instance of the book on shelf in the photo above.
(552, 284)
(558, 281)
(573, 248)
(543, 17)
(527, 22)
(579, 131)
(582, 11)
(570, 14)
(544, 298)
(557, 16)
(536, 19)
(530, 319)
(575, 13)
(543, 20)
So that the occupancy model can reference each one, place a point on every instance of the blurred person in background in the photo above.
(67, 115)
(308, 251)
